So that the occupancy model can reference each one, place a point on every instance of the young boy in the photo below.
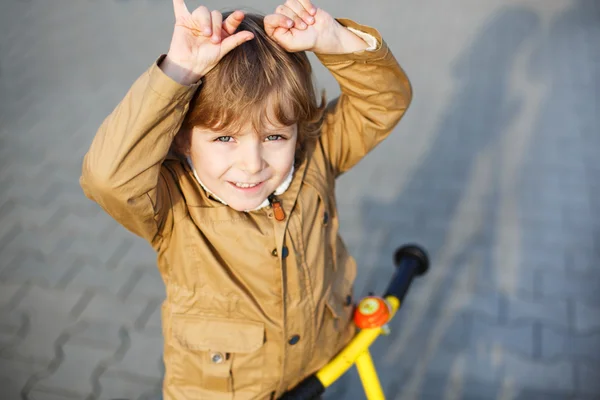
(221, 156)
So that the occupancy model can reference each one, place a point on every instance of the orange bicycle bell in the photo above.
(372, 312)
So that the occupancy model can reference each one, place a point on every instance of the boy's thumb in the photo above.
(233, 41)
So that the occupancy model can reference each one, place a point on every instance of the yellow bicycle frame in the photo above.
(357, 352)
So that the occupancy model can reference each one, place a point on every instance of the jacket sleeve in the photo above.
(122, 169)
(375, 93)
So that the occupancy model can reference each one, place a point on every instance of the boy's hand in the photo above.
(297, 25)
(200, 40)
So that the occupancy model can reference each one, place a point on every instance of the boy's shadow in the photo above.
(461, 166)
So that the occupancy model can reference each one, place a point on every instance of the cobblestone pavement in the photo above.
(493, 170)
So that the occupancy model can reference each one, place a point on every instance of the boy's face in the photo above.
(243, 169)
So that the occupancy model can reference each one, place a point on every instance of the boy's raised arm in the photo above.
(122, 169)
(375, 93)
(375, 90)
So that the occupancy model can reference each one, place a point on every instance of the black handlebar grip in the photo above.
(410, 261)
(308, 389)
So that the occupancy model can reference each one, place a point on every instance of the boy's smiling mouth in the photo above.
(247, 186)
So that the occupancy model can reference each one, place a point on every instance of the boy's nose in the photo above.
(251, 161)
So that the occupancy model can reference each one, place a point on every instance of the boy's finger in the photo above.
(217, 23)
(288, 12)
(298, 8)
(308, 6)
(233, 41)
(180, 8)
(232, 22)
(274, 21)
(201, 16)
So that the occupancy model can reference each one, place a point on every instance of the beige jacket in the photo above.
(253, 305)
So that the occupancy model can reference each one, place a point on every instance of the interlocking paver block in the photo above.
(118, 387)
(48, 316)
(149, 284)
(486, 336)
(587, 317)
(13, 378)
(9, 292)
(407, 343)
(582, 286)
(89, 274)
(102, 307)
(543, 376)
(14, 326)
(75, 375)
(98, 334)
(31, 265)
(523, 308)
(143, 359)
(588, 378)
(561, 344)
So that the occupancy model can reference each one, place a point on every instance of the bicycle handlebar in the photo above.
(411, 261)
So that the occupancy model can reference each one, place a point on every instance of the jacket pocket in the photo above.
(216, 357)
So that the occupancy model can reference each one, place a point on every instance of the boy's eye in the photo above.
(274, 137)
(224, 139)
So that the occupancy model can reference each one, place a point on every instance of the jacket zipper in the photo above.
(277, 208)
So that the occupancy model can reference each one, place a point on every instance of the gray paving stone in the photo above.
(13, 326)
(527, 309)
(543, 376)
(9, 293)
(153, 323)
(51, 395)
(586, 317)
(48, 317)
(137, 253)
(75, 375)
(562, 345)
(118, 387)
(581, 257)
(528, 394)
(496, 374)
(522, 281)
(155, 394)
(408, 343)
(97, 334)
(32, 266)
(487, 336)
(87, 273)
(13, 378)
(149, 282)
(142, 360)
(451, 301)
(102, 308)
(587, 377)
(571, 285)
(445, 387)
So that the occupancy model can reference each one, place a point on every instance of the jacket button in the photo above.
(294, 339)
(348, 300)
(284, 252)
(325, 218)
(274, 253)
(217, 358)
